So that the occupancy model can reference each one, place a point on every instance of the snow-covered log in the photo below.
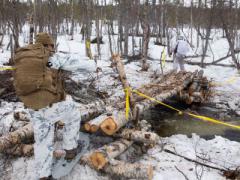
(121, 168)
(176, 88)
(92, 110)
(139, 136)
(20, 150)
(129, 170)
(120, 68)
(122, 75)
(93, 125)
(16, 137)
(100, 157)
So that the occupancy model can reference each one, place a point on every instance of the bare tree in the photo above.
(146, 36)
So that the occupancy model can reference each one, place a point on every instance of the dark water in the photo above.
(167, 122)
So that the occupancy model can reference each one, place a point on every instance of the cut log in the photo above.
(93, 125)
(122, 75)
(167, 84)
(21, 116)
(120, 68)
(129, 171)
(174, 90)
(16, 137)
(100, 157)
(92, 110)
(114, 122)
(20, 150)
(139, 136)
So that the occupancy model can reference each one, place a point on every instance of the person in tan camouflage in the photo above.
(40, 88)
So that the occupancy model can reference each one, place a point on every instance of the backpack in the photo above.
(35, 83)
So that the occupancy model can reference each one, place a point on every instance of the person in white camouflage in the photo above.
(179, 50)
(47, 101)
(44, 125)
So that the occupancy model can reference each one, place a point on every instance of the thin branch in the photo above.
(185, 176)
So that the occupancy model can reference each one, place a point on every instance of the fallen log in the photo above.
(92, 110)
(114, 122)
(100, 157)
(16, 137)
(199, 63)
(121, 169)
(174, 81)
(93, 125)
(129, 170)
(139, 136)
(20, 150)
(122, 75)
(182, 84)
(196, 85)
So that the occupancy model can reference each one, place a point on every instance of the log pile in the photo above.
(190, 87)
(198, 91)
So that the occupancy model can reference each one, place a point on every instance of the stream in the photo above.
(166, 122)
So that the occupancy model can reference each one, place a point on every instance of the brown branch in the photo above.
(192, 160)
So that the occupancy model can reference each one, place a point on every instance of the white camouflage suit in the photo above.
(44, 121)
(182, 50)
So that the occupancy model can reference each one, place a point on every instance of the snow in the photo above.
(218, 152)
(222, 152)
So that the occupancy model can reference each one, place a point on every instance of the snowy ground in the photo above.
(217, 152)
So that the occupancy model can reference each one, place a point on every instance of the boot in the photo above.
(46, 178)
(71, 154)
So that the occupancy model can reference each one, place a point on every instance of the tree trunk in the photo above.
(122, 75)
(114, 122)
(72, 19)
(129, 171)
(31, 29)
(139, 136)
(100, 157)
(146, 38)
(93, 125)
(231, 47)
(16, 137)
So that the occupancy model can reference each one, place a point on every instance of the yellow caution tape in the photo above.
(163, 57)
(204, 118)
(88, 46)
(127, 94)
(213, 120)
(159, 102)
(7, 68)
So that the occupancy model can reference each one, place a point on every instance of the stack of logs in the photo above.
(189, 86)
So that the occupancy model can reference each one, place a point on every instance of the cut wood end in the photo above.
(98, 160)
(109, 126)
(87, 127)
(94, 128)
